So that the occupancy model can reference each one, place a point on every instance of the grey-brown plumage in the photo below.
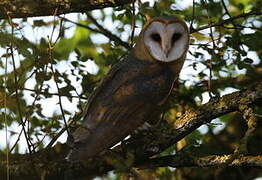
(133, 90)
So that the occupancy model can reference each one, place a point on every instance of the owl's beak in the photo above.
(166, 46)
(166, 50)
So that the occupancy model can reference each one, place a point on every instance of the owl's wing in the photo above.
(125, 99)
(103, 83)
(78, 134)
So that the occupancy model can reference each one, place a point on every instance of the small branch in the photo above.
(214, 48)
(107, 33)
(70, 122)
(133, 23)
(227, 21)
(5, 121)
(193, 17)
(80, 25)
(23, 123)
(225, 8)
(17, 140)
(234, 82)
(57, 86)
(43, 93)
(59, 99)
(239, 27)
(33, 105)
(101, 30)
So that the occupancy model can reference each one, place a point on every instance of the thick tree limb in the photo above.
(50, 163)
(193, 119)
(177, 161)
(33, 8)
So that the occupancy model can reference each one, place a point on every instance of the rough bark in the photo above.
(135, 152)
(177, 161)
(33, 8)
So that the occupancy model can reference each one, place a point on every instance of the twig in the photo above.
(58, 89)
(226, 21)
(54, 26)
(108, 33)
(243, 27)
(81, 25)
(29, 144)
(5, 117)
(193, 16)
(133, 23)
(49, 145)
(18, 103)
(50, 48)
(235, 26)
(225, 7)
(17, 140)
(60, 30)
(33, 104)
(52, 94)
(214, 47)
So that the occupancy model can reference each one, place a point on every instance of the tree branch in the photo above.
(100, 30)
(33, 8)
(45, 93)
(191, 120)
(50, 163)
(107, 33)
(227, 21)
(183, 160)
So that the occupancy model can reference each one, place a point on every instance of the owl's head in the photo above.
(164, 39)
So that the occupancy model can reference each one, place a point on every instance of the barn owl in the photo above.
(134, 89)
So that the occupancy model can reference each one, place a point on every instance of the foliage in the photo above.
(56, 63)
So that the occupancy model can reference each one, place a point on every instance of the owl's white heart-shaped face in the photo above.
(166, 42)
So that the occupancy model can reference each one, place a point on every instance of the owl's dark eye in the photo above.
(176, 36)
(156, 37)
